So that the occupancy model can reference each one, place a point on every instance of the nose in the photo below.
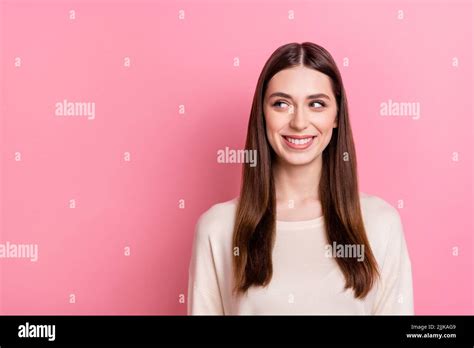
(299, 121)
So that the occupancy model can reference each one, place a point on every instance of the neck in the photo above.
(297, 182)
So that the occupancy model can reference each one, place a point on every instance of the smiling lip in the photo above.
(299, 142)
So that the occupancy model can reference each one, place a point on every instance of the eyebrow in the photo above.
(284, 95)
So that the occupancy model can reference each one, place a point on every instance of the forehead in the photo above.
(299, 82)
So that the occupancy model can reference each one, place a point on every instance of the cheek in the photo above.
(274, 123)
(326, 128)
(271, 121)
(325, 122)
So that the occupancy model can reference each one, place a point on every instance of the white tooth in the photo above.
(299, 141)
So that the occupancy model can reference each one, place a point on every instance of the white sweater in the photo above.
(306, 278)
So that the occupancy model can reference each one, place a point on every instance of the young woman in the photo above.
(300, 238)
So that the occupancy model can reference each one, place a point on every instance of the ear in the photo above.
(336, 121)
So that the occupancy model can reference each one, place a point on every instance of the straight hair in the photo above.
(255, 222)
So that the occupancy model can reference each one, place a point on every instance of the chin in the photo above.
(299, 160)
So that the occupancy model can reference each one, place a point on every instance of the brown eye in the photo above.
(319, 102)
(279, 102)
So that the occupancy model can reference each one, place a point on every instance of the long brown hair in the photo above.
(254, 228)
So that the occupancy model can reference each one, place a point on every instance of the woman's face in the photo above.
(300, 112)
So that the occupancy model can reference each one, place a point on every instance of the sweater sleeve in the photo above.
(395, 294)
(204, 296)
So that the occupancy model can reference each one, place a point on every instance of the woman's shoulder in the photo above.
(382, 220)
(375, 204)
(218, 219)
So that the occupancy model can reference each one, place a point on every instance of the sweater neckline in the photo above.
(300, 224)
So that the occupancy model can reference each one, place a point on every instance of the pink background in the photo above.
(173, 155)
